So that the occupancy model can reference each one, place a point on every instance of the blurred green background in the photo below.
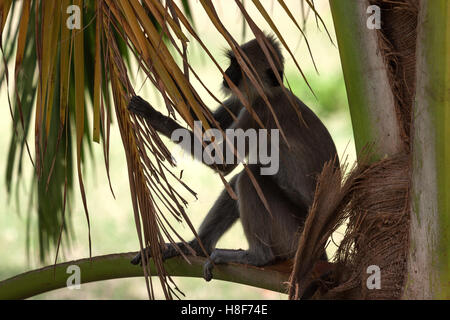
(112, 221)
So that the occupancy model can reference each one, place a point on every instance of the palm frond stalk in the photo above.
(118, 266)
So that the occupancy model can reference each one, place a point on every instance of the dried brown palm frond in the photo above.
(108, 32)
(373, 200)
(159, 66)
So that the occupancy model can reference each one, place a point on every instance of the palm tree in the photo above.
(397, 80)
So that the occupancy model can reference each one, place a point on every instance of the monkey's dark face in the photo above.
(233, 72)
(259, 64)
(272, 78)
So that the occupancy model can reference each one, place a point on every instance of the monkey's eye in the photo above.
(273, 78)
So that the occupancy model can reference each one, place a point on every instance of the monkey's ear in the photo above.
(273, 78)
(230, 55)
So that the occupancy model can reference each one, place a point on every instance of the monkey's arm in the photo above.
(223, 114)
(166, 126)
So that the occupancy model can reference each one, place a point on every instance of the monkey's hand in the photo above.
(141, 107)
(171, 251)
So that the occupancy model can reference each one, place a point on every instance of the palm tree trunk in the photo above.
(370, 97)
(429, 255)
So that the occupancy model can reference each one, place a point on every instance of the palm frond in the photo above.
(63, 75)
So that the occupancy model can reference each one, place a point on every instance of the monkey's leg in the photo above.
(270, 236)
(218, 220)
(257, 223)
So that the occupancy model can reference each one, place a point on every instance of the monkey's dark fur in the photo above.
(289, 192)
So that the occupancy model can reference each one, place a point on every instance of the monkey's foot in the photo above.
(216, 257)
(223, 256)
(170, 252)
(140, 107)
(137, 259)
(208, 267)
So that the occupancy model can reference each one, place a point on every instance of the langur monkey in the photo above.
(289, 192)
